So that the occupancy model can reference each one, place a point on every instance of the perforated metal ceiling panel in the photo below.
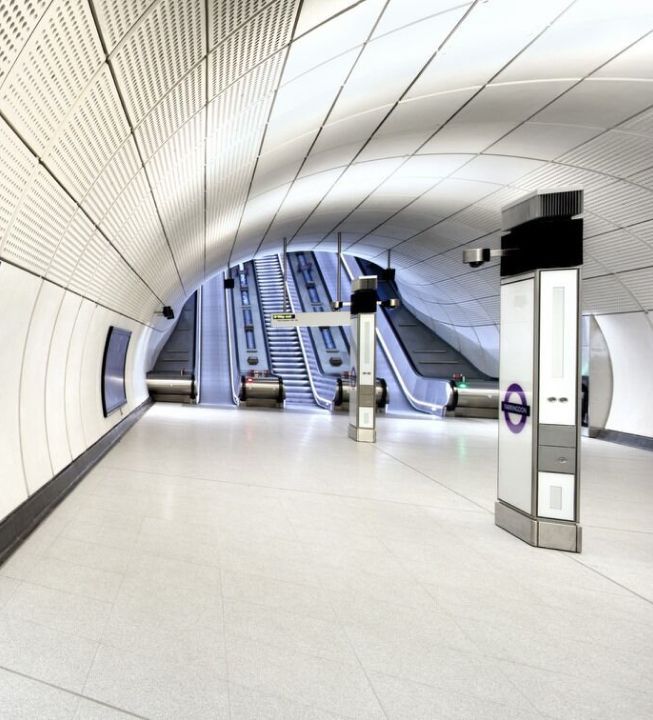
(147, 143)
(18, 20)
(59, 59)
(161, 48)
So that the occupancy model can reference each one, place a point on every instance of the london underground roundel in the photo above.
(515, 408)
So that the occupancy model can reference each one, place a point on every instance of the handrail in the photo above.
(233, 370)
(198, 343)
(420, 405)
(321, 401)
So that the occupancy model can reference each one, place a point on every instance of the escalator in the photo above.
(174, 375)
(285, 353)
(429, 355)
(398, 402)
(215, 368)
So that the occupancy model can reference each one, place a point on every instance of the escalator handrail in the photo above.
(420, 405)
(234, 377)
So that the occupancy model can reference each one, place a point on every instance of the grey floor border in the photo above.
(18, 525)
(642, 442)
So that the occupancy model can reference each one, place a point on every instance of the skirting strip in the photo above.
(636, 441)
(17, 526)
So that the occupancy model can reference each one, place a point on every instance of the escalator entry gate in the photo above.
(261, 389)
(341, 397)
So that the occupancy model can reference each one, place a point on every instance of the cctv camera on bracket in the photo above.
(167, 312)
(475, 257)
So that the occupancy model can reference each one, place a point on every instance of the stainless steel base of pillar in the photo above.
(362, 434)
(551, 534)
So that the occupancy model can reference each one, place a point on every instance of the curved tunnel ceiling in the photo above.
(145, 144)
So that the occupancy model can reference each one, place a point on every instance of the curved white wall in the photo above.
(629, 337)
(52, 345)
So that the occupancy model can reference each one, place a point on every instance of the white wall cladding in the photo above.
(33, 426)
(17, 291)
(145, 144)
(630, 343)
(53, 344)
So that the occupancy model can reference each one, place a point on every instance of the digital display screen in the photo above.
(113, 370)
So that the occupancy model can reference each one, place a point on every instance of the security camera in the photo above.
(390, 303)
(167, 312)
(475, 257)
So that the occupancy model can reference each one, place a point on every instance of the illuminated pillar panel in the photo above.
(362, 400)
(539, 371)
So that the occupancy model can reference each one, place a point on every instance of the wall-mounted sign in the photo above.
(310, 319)
(514, 403)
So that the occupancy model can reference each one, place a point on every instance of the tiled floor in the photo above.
(259, 565)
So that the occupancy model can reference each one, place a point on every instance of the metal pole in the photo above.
(389, 255)
(285, 275)
(338, 286)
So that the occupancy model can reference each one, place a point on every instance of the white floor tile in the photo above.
(339, 688)
(293, 597)
(289, 631)
(8, 587)
(76, 579)
(156, 688)
(248, 704)
(89, 710)
(266, 558)
(25, 699)
(402, 699)
(45, 654)
(63, 611)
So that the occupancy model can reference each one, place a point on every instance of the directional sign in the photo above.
(310, 319)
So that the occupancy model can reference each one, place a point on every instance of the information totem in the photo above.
(362, 392)
(539, 370)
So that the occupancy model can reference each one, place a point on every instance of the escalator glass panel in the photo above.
(327, 336)
(249, 340)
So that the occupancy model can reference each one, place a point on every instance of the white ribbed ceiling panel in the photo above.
(90, 137)
(237, 120)
(60, 58)
(135, 228)
(633, 252)
(226, 16)
(164, 45)
(74, 241)
(39, 224)
(117, 17)
(181, 104)
(177, 170)
(17, 21)
(406, 125)
(16, 168)
(250, 43)
(113, 179)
